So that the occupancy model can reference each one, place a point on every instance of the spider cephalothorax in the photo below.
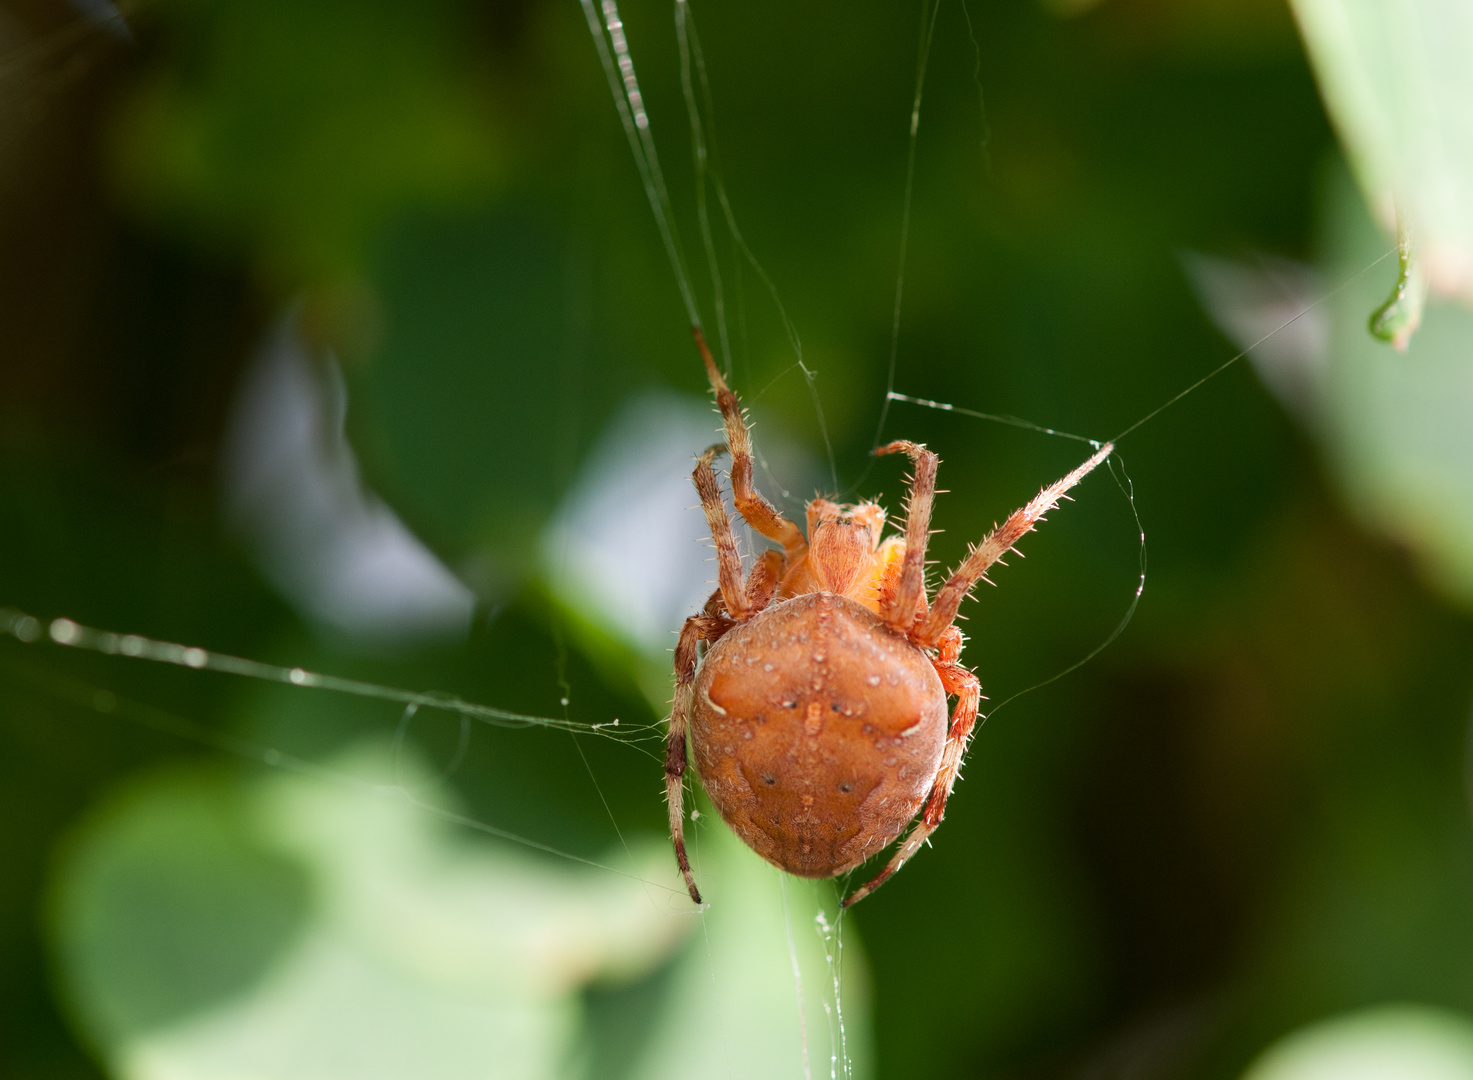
(817, 717)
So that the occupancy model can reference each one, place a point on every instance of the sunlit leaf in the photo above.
(1397, 79)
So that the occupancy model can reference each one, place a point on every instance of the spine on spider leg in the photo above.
(737, 439)
(997, 544)
(726, 399)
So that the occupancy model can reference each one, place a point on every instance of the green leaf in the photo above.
(1407, 1042)
(167, 906)
(1397, 425)
(1397, 79)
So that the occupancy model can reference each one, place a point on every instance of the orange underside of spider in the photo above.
(818, 716)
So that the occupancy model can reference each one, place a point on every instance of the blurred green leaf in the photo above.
(1397, 425)
(776, 988)
(1402, 1042)
(170, 906)
(1397, 79)
(399, 948)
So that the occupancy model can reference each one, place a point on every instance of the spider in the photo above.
(817, 717)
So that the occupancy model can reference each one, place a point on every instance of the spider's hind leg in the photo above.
(698, 628)
(957, 680)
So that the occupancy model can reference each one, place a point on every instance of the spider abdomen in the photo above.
(817, 732)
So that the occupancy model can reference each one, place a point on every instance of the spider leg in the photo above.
(910, 589)
(764, 579)
(755, 510)
(728, 562)
(961, 682)
(996, 544)
(697, 628)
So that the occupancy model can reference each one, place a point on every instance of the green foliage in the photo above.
(309, 927)
(1397, 424)
(1397, 82)
(171, 907)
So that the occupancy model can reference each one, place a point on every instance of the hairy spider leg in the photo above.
(962, 683)
(910, 588)
(697, 629)
(998, 542)
(762, 582)
(936, 631)
(728, 561)
(739, 603)
(755, 510)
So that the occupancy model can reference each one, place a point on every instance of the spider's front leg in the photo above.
(697, 628)
(910, 589)
(756, 511)
(928, 633)
(728, 561)
(958, 681)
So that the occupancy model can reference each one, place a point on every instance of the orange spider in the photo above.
(817, 717)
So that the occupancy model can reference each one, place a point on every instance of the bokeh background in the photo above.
(340, 336)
